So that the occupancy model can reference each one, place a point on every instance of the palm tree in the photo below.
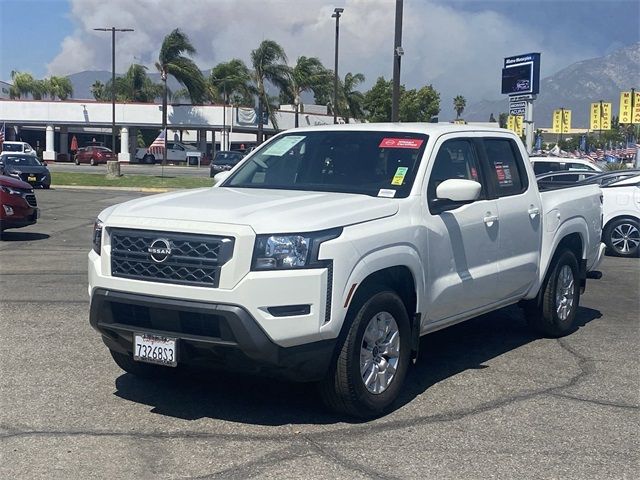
(136, 86)
(269, 65)
(98, 91)
(229, 78)
(60, 87)
(23, 84)
(351, 102)
(172, 61)
(458, 105)
(308, 74)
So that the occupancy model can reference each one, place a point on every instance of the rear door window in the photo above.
(506, 165)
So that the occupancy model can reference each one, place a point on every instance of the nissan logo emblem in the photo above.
(159, 250)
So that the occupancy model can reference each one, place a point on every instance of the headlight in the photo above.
(287, 251)
(97, 236)
(11, 191)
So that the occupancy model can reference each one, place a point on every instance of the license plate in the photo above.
(155, 349)
(32, 178)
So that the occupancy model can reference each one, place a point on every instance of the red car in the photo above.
(19, 206)
(94, 155)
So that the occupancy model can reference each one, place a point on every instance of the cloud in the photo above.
(456, 51)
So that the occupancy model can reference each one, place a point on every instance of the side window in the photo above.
(455, 159)
(507, 167)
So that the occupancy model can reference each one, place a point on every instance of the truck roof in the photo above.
(426, 128)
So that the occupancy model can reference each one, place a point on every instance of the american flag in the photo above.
(2, 135)
(157, 147)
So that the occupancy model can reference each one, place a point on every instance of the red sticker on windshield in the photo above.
(401, 143)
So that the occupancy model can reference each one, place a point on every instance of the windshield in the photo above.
(12, 147)
(380, 164)
(228, 157)
(23, 160)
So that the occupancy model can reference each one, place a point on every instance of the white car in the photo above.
(621, 210)
(558, 164)
(177, 152)
(18, 147)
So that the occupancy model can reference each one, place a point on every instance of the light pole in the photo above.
(296, 102)
(336, 14)
(113, 31)
(397, 56)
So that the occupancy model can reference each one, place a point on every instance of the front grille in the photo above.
(31, 200)
(193, 260)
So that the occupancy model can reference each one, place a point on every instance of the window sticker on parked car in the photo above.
(283, 145)
(413, 143)
(398, 177)
(504, 174)
(385, 192)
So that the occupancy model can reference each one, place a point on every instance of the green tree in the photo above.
(136, 86)
(228, 79)
(459, 104)
(173, 61)
(419, 105)
(377, 101)
(59, 87)
(350, 100)
(269, 64)
(308, 74)
(23, 84)
(98, 91)
(502, 119)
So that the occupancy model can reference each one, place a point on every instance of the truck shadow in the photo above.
(261, 401)
(22, 236)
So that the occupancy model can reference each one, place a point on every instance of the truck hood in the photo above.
(266, 211)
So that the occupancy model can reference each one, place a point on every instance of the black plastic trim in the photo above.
(250, 349)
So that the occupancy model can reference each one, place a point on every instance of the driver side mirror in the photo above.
(454, 193)
(220, 177)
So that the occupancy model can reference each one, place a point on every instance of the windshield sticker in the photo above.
(283, 145)
(385, 192)
(504, 174)
(413, 143)
(398, 178)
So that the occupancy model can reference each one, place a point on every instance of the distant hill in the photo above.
(575, 87)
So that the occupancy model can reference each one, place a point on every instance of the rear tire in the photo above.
(140, 369)
(149, 159)
(92, 162)
(622, 237)
(367, 375)
(553, 313)
(77, 162)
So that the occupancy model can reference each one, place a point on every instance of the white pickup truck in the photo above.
(177, 152)
(327, 252)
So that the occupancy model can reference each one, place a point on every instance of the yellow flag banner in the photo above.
(601, 116)
(515, 123)
(561, 121)
(627, 114)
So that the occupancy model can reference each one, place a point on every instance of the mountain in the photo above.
(575, 87)
(82, 81)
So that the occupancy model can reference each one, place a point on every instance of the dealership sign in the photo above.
(521, 74)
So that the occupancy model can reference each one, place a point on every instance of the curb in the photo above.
(122, 189)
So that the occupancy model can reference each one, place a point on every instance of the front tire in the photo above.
(372, 363)
(553, 313)
(92, 162)
(77, 162)
(622, 237)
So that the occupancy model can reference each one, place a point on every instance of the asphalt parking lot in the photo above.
(487, 399)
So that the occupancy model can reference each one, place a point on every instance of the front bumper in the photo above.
(208, 334)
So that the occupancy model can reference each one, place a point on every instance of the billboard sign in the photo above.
(561, 121)
(515, 124)
(629, 107)
(521, 74)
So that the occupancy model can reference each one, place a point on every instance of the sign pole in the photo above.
(528, 122)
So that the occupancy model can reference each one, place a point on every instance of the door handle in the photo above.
(533, 211)
(489, 219)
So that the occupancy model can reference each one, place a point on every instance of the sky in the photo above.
(458, 46)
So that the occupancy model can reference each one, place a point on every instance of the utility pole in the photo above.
(113, 31)
(397, 57)
(336, 14)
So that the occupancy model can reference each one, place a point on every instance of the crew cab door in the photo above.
(519, 211)
(462, 241)
(176, 153)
